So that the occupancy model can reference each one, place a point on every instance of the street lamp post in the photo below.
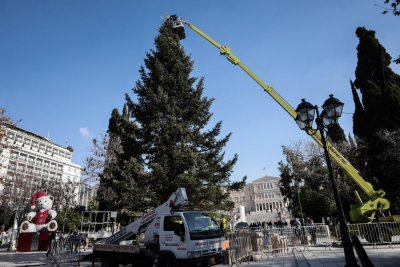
(328, 117)
(298, 184)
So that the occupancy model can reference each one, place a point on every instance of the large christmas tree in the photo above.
(167, 143)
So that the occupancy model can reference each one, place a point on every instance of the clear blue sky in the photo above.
(64, 65)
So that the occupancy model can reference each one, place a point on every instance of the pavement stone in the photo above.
(319, 256)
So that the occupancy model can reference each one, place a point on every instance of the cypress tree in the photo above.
(104, 195)
(379, 86)
(379, 108)
(167, 143)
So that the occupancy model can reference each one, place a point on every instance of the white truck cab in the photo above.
(172, 237)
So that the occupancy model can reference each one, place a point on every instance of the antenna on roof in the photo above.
(66, 142)
(48, 134)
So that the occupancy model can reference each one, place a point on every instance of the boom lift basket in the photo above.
(177, 26)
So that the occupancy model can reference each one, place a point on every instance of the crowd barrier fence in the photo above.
(371, 233)
(6, 237)
(64, 252)
(253, 245)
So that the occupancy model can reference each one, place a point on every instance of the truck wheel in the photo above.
(168, 262)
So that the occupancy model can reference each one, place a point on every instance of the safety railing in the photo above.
(250, 245)
(5, 238)
(372, 233)
(64, 252)
(253, 245)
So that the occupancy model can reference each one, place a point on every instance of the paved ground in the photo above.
(315, 257)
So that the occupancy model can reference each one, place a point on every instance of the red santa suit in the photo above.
(42, 217)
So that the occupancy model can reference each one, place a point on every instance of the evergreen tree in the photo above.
(336, 134)
(379, 86)
(166, 144)
(380, 106)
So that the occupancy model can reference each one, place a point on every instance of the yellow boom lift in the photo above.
(363, 212)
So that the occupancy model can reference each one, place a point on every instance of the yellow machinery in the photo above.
(363, 212)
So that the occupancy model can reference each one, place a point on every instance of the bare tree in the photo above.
(102, 152)
(306, 160)
(95, 161)
(15, 196)
(393, 140)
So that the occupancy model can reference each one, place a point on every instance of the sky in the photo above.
(65, 65)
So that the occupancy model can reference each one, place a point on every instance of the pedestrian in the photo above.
(73, 241)
(50, 239)
(311, 229)
(297, 225)
(86, 242)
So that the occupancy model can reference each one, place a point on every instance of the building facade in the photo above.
(35, 156)
(262, 195)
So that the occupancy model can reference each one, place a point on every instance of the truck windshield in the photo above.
(202, 225)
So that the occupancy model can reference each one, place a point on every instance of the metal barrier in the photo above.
(64, 252)
(372, 233)
(250, 245)
(5, 238)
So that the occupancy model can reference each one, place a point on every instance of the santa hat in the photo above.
(36, 196)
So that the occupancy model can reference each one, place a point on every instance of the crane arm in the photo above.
(175, 201)
(342, 161)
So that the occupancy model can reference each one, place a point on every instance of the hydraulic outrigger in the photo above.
(364, 212)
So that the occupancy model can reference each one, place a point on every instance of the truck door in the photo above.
(173, 236)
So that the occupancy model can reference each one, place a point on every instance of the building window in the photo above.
(249, 188)
(265, 186)
(272, 185)
(250, 198)
(236, 199)
(243, 198)
(259, 197)
(279, 195)
(258, 187)
(238, 210)
(243, 189)
(252, 208)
